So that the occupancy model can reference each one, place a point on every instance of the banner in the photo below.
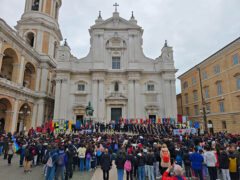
(183, 131)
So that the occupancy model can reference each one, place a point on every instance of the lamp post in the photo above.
(203, 103)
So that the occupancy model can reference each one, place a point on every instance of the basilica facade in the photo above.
(116, 77)
(41, 81)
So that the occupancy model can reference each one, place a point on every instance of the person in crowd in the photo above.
(233, 166)
(197, 160)
(165, 158)
(52, 159)
(1, 144)
(187, 163)
(106, 164)
(224, 164)
(141, 161)
(70, 152)
(89, 154)
(81, 155)
(177, 173)
(129, 164)
(62, 159)
(10, 152)
(99, 151)
(150, 158)
(120, 161)
(157, 161)
(28, 156)
(210, 160)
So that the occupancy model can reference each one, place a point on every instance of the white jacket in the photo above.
(210, 159)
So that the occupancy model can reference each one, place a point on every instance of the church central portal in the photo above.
(116, 114)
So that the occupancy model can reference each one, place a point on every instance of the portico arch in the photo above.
(5, 113)
(8, 66)
(24, 117)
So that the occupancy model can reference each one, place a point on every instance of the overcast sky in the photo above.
(194, 28)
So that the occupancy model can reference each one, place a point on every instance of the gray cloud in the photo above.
(195, 28)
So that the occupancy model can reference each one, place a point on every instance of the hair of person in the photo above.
(195, 149)
(177, 170)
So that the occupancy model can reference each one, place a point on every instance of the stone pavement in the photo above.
(14, 172)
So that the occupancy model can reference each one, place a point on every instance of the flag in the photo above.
(196, 124)
(67, 125)
(137, 121)
(184, 119)
(78, 124)
(168, 120)
(179, 118)
(141, 121)
(16, 146)
(70, 125)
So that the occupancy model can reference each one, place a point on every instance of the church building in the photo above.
(41, 81)
(115, 77)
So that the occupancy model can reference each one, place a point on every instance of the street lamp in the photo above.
(203, 103)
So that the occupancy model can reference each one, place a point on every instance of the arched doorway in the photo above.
(24, 118)
(5, 114)
(210, 126)
(29, 76)
(8, 69)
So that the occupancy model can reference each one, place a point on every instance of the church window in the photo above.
(116, 63)
(35, 5)
(116, 87)
(150, 87)
(30, 39)
(235, 60)
(81, 87)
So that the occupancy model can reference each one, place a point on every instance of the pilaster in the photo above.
(101, 101)
(38, 79)
(95, 98)
(21, 72)
(34, 115)
(131, 102)
(15, 115)
(44, 78)
(58, 100)
(40, 115)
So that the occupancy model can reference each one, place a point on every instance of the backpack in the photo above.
(88, 156)
(179, 160)
(50, 162)
(128, 166)
(34, 152)
(233, 165)
(26, 152)
(165, 158)
(99, 153)
(61, 159)
(116, 147)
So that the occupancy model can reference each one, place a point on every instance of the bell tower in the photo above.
(39, 25)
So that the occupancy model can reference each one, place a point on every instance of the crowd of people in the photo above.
(150, 151)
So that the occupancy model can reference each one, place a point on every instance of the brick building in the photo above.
(219, 93)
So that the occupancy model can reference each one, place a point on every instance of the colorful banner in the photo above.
(183, 131)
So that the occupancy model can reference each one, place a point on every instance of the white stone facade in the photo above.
(145, 87)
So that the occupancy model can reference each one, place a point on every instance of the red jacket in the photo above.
(165, 177)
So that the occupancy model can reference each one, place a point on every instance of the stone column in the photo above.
(108, 113)
(15, 72)
(39, 42)
(58, 99)
(174, 101)
(50, 84)
(34, 115)
(21, 72)
(15, 115)
(138, 104)
(167, 98)
(37, 79)
(40, 115)
(130, 99)
(101, 101)
(95, 98)
(65, 99)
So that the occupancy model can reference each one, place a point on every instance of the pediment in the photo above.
(115, 23)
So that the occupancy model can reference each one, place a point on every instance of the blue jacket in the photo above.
(54, 155)
(197, 160)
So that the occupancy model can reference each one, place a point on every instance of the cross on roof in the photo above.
(116, 5)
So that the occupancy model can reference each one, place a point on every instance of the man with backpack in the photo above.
(150, 158)
(52, 159)
(120, 161)
(81, 155)
(62, 159)
(224, 164)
